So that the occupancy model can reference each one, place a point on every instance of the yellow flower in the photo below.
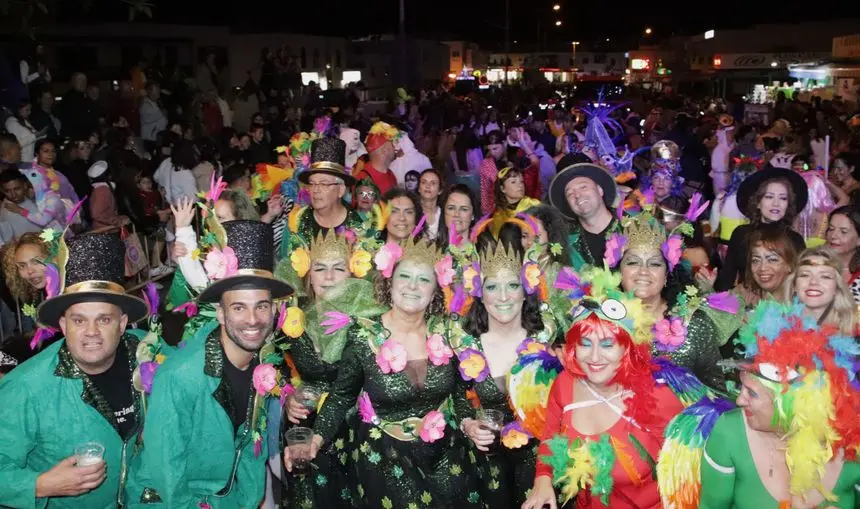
(360, 263)
(160, 358)
(195, 255)
(533, 275)
(515, 439)
(294, 217)
(294, 325)
(301, 261)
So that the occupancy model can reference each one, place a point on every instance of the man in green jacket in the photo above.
(79, 390)
(204, 443)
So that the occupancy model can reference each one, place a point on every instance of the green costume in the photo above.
(49, 408)
(580, 254)
(191, 455)
(730, 478)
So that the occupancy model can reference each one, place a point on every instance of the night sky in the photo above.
(479, 20)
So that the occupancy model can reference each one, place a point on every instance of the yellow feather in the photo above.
(580, 472)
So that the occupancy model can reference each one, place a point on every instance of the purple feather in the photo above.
(458, 300)
(708, 411)
(529, 220)
(52, 280)
(568, 280)
(41, 335)
(696, 208)
(419, 226)
(150, 295)
(479, 227)
(147, 373)
(453, 238)
(723, 301)
(74, 212)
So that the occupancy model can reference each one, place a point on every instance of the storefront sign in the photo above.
(847, 46)
(763, 60)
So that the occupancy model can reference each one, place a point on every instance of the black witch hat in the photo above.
(94, 272)
(253, 243)
(328, 155)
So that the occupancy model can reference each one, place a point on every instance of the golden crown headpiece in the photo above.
(643, 231)
(329, 246)
(499, 260)
(419, 250)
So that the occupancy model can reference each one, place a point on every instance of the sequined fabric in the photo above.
(700, 352)
(392, 473)
(328, 483)
(308, 226)
(504, 475)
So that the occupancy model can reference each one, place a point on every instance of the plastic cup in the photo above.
(299, 442)
(90, 453)
(492, 420)
(309, 397)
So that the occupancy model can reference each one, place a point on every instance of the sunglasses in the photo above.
(367, 195)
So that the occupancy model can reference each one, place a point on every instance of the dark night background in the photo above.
(481, 21)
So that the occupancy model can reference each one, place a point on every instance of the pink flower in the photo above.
(386, 258)
(433, 426)
(445, 271)
(221, 263)
(365, 409)
(286, 391)
(614, 249)
(672, 250)
(190, 309)
(265, 378)
(670, 334)
(391, 357)
(437, 351)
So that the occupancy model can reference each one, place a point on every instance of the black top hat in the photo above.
(253, 243)
(95, 272)
(328, 155)
(752, 183)
(600, 177)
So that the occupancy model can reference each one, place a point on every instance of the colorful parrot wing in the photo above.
(680, 461)
(529, 384)
(683, 383)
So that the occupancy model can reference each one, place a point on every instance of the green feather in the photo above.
(558, 458)
(603, 455)
(643, 453)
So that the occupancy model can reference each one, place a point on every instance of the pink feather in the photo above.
(52, 279)
(336, 321)
(529, 220)
(282, 315)
(696, 209)
(420, 225)
(480, 226)
(453, 237)
(723, 301)
(41, 335)
(216, 187)
(74, 212)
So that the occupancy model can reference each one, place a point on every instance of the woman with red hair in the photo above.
(608, 409)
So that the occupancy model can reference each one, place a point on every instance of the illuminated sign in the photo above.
(640, 64)
(709, 34)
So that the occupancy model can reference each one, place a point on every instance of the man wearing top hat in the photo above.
(585, 194)
(204, 445)
(76, 391)
(328, 180)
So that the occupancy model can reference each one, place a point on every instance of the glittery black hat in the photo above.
(253, 243)
(328, 155)
(94, 272)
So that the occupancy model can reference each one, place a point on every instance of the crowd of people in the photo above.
(492, 302)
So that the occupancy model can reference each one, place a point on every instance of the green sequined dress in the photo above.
(396, 469)
(505, 475)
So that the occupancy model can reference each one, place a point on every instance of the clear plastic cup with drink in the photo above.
(309, 397)
(299, 442)
(90, 453)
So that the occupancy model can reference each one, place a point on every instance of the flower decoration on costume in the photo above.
(445, 270)
(433, 426)
(360, 262)
(615, 245)
(473, 365)
(472, 279)
(221, 263)
(672, 250)
(294, 322)
(301, 261)
(365, 409)
(391, 357)
(670, 334)
(147, 373)
(265, 378)
(531, 277)
(438, 351)
(294, 218)
(335, 321)
(387, 257)
(514, 436)
(189, 308)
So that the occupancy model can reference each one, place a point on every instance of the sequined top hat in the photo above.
(253, 245)
(94, 272)
(328, 155)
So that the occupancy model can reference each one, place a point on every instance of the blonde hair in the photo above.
(20, 288)
(842, 312)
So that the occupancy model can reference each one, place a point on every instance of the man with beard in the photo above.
(204, 445)
(78, 391)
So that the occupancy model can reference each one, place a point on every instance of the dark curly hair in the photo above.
(477, 320)
(382, 289)
(790, 212)
(556, 229)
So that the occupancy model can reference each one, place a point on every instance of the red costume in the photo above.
(384, 181)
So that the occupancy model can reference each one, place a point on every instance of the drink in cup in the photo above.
(90, 453)
(299, 441)
(492, 420)
(309, 397)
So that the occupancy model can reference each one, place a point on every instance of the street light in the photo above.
(558, 23)
(556, 7)
(648, 31)
(574, 44)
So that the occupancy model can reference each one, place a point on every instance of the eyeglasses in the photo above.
(323, 185)
(367, 195)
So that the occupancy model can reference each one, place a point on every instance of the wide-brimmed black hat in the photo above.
(253, 243)
(328, 155)
(751, 184)
(600, 177)
(95, 272)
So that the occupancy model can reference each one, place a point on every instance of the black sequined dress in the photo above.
(395, 467)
